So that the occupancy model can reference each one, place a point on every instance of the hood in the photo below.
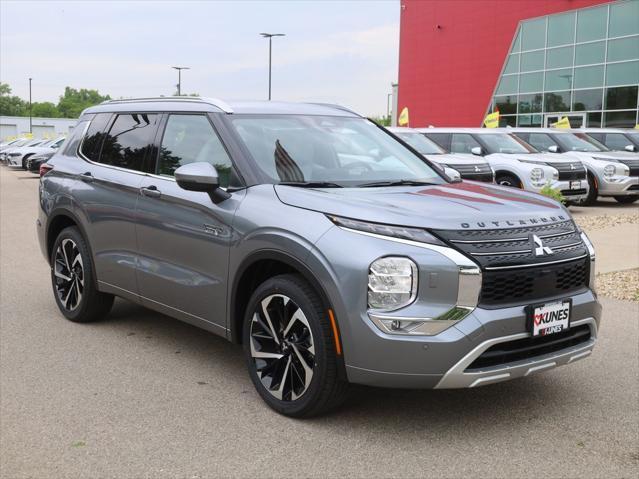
(457, 159)
(536, 157)
(613, 155)
(451, 206)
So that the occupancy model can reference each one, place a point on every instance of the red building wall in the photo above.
(451, 53)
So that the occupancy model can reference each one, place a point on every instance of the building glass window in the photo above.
(583, 100)
(557, 101)
(533, 34)
(559, 79)
(584, 61)
(626, 73)
(591, 23)
(561, 29)
(587, 77)
(559, 57)
(532, 61)
(624, 18)
(621, 98)
(620, 119)
(623, 49)
(590, 53)
(531, 82)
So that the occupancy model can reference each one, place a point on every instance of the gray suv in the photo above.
(325, 245)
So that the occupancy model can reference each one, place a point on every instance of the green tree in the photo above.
(45, 110)
(11, 105)
(74, 101)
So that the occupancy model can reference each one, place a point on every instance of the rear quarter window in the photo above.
(94, 136)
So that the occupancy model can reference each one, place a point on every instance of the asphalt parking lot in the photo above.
(142, 395)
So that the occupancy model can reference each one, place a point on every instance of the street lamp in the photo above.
(30, 115)
(179, 84)
(388, 99)
(270, 44)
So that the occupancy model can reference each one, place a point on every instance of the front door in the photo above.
(183, 237)
(577, 120)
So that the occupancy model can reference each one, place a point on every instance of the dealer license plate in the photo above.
(549, 318)
(575, 185)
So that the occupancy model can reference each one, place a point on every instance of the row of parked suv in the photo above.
(326, 245)
(29, 153)
(583, 164)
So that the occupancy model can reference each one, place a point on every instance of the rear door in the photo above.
(117, 148)
(183, 237)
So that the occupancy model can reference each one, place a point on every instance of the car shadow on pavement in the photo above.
(520, 401)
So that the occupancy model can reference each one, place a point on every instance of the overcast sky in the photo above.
(335, 51)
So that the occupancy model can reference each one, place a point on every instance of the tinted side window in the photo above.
(617, 141)
(462, 143)
(598, 136)
(191, 138)
(524, 136)
(94, 136)
(128, 141)
(541, 141)
(74, 139)
(442, 139)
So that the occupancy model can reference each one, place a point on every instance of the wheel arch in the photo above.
(501, 171)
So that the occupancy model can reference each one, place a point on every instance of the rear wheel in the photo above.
(625, 200)
(290, 348)
(506, 179)
(73, 281)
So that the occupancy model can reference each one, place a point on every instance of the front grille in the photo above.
(515, 270)
(570, 171)
(474, 171)
(633, 165)
(633, 187)
(526, 348)
(580, 191)
(530, 284)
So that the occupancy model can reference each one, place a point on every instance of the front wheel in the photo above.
(73, 281)
(290, 348)
(592, 193)
(508, 180)
(626, 200)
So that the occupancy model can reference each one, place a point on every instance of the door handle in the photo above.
(151, 191)
(87, 177)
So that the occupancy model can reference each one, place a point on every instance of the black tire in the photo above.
(73, 280)
(505, 179)
(24, 161)
(626, 200)
(593, 193)
(325, 390)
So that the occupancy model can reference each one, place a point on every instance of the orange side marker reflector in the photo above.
(338, 346)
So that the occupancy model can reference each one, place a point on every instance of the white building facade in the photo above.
(13, 126)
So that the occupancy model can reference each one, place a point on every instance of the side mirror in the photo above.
(477, 150)
(631, 148)
(201, 176)
(553, 149)
(452, 173)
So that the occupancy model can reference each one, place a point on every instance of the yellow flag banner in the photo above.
(403, 117)
(562, 123)
(492, 120)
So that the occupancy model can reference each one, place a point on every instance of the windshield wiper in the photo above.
(311, 184)
(395, 183)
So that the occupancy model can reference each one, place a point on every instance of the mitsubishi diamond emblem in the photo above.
(539, 248)
(476, 169)
(572, 167)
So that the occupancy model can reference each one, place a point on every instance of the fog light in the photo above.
(392, 284)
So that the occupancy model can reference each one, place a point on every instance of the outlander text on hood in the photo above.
(331, 250)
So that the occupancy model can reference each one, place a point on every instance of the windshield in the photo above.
(503, 143)
(421, 143)
(572, 142)
(592, 141)
(634, 137)
(344, 151)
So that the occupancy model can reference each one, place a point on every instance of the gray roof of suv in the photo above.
(219, 106)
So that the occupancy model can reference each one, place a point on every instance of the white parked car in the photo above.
(610, 173)
(615, 139)
(467, 167)
(20, 156)
(9, 143)
(515, 163)
(24, 142)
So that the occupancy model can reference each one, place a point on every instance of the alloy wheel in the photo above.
(69, 274)
(282, 347)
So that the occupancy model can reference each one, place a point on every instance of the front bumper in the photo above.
(566, 187)
(14, 161)
(623, 186)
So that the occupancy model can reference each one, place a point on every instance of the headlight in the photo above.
(392, 283)
(555, 174)
(609, 171)
(410, 234)
(591, 253)
(536, 175)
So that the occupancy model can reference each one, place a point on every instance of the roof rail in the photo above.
(222, 105)
(334, 105)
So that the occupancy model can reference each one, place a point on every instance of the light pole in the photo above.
(179, 84)
(30, 116)
(388, 98)
(270, 47)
